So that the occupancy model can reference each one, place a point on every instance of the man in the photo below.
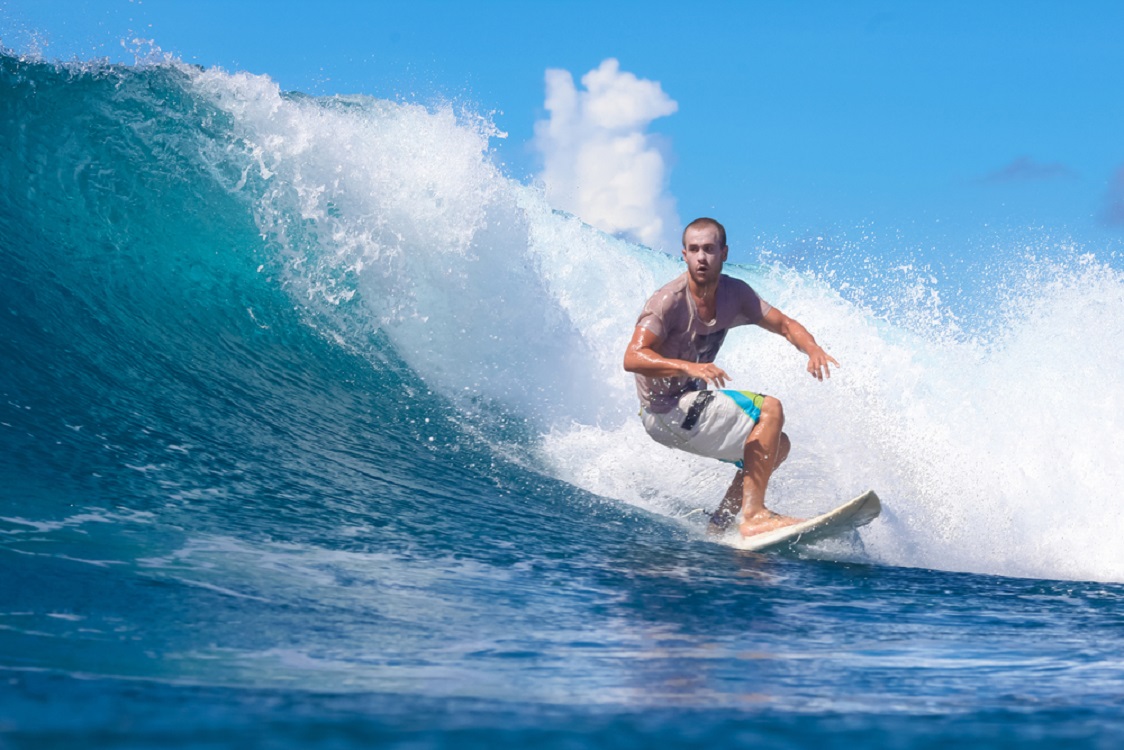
(672, 354)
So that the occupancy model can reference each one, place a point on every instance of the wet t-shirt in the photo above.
(681, 334)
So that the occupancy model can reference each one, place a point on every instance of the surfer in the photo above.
(672, 354)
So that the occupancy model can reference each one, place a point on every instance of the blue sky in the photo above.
(953, 127)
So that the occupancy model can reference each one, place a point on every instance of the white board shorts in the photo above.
(714, 424)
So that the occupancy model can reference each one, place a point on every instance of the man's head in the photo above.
(705, 221)
(704, 249)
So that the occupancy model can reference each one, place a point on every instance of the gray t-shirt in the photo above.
(681, 334)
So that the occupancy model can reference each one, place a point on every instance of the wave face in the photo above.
(272, 350)
(393, 218)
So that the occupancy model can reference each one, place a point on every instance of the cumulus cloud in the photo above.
(599, 161)
(1025, 169)
(1113, 214)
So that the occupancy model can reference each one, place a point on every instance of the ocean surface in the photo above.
(313, 433)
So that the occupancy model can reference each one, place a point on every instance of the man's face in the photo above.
(703, 254)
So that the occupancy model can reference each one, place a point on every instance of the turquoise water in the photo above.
(315, 435)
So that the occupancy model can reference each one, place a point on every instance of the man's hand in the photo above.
(708, 371)
(817, 363)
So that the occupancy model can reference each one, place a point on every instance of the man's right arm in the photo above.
(641, 358)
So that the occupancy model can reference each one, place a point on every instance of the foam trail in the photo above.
(999, 457)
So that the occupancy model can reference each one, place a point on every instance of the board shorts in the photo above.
(714, 424)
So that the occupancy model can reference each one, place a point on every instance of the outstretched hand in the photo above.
(817, 364)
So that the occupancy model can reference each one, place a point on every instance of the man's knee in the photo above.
(772, 411)
(785, 447)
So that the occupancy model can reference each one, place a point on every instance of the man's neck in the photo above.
(702, 291)
(704, 296)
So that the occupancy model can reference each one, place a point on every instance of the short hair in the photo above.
(703, 221)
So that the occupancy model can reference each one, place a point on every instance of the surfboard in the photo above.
(850, 515)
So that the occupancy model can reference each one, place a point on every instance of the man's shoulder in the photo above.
(671, 292)
(731, 287)
(730, 282)
(739, 298)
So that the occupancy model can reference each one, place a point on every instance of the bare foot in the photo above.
(765, 520)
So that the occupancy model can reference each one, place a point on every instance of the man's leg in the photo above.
(732, 503)
(763, 453)
(722, 518)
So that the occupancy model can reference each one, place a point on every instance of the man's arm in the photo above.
(641, 358)
(797, 335)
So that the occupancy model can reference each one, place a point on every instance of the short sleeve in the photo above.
(651, 320)
(750, 304)
(660, 314)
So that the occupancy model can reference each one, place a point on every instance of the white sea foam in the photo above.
(999, 453)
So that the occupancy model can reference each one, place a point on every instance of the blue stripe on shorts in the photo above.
(749, 402)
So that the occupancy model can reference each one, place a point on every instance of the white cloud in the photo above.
(598, 160)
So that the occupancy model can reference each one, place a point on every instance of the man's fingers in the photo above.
(820, 366)
(715, 375)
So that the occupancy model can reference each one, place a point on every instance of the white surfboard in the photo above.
(850, 515)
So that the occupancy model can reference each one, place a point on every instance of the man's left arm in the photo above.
(797, 335)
